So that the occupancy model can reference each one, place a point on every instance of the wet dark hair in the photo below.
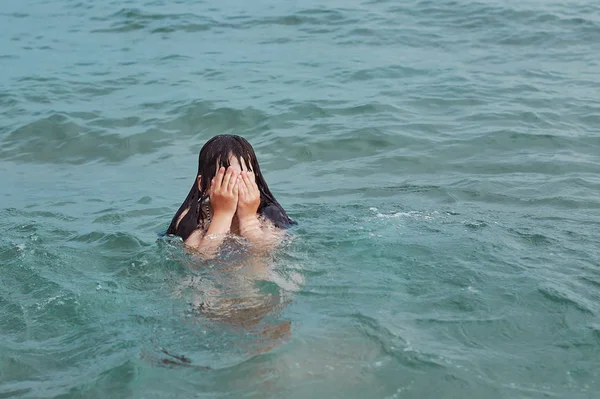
(218, 150)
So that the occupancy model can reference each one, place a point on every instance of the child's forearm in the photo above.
(260, 236)
(209, 243)
(250, 229)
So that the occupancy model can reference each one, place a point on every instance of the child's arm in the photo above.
(262, 235)
(208, 243)
(223, 193)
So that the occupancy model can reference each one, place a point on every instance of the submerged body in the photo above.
(230, 206)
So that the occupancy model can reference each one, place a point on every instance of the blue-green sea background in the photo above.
(442, 159)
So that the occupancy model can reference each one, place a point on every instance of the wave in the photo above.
(59, 138)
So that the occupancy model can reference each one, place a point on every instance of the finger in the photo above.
(211, 188)
(252, 183)
(246, 180)
(242, 187)
(218, 179)
(249, 185)
(233, 181)
(235, 189)
(226, 178)
(252, 176)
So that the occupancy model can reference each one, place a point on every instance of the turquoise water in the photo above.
(442, 159)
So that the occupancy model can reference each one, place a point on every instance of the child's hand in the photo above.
(223, 192)
(249, 196)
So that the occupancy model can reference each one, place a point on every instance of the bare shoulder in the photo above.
(194, 239)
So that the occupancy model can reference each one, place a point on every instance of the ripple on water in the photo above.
(134, 19)
(59, 139)
(203, 118)
(13, 317)
(111, 242)
(562, 297)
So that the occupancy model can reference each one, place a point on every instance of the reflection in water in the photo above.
(239, 293)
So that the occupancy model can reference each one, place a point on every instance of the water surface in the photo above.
(441, 158)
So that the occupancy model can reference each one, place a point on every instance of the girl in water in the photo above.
(229, 196)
